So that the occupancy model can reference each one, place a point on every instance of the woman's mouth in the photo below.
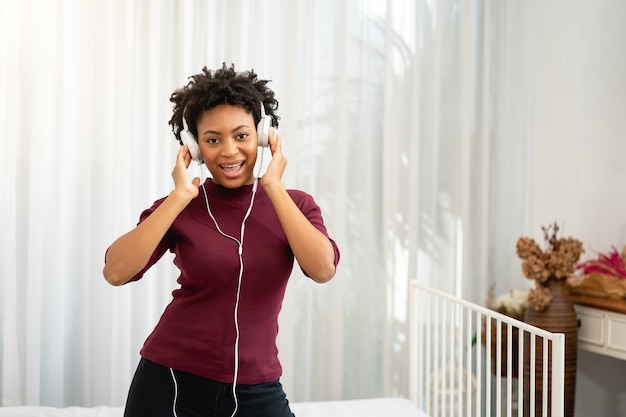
(231, 170)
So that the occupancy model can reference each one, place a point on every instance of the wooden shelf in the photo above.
(602, 303)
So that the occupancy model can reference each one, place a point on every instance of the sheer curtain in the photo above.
(407, 121)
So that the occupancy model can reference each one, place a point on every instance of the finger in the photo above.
(275, 139)
(184, 156)
(181, 152)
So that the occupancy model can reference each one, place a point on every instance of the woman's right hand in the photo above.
(129, 253)
(183, 183)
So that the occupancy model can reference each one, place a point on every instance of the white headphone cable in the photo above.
(175, 393)
(239, 279)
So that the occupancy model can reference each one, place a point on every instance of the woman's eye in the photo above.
(212, 140)
(242, 136)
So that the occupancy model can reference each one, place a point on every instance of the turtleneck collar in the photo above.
(221, 192)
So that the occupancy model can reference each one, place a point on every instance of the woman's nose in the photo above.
(230, 149)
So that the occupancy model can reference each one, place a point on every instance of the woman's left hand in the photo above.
(275, 169)
(312, 248)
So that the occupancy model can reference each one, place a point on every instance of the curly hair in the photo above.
(223, 86)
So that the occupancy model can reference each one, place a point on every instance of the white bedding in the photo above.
(375, 407)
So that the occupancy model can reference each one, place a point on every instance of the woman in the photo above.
(213, 352)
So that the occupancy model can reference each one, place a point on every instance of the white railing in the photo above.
(457, 369)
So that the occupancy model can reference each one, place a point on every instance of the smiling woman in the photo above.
(233, 356)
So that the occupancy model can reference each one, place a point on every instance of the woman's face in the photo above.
(227, 138)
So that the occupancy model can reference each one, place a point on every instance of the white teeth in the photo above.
(231, 167)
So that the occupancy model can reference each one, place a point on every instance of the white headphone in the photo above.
(262, 130)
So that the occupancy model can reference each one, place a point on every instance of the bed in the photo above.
(465, 360)
(374, 407)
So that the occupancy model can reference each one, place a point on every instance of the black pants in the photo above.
(155, 392)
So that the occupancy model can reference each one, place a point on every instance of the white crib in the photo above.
(457, 370)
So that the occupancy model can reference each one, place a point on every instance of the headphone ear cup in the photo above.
(263, 129)
(188, 139)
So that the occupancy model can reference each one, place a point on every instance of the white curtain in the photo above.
(408, 121)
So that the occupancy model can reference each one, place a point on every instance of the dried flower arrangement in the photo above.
(611, 263)
(604, 276)
(558, 260)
